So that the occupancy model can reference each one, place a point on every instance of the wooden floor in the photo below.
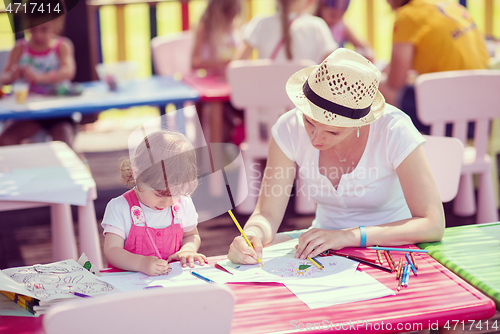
(25, 236)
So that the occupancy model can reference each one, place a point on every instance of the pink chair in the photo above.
(206, 308)
(172, 53)
(258, 87)
(445, 158)
(459, 97)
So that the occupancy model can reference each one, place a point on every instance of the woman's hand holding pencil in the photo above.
(241, 252)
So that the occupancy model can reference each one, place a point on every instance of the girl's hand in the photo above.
(316, 241)
(31, 76)
(153, 266)
(188, 256)
(240, 252)
(15, 73)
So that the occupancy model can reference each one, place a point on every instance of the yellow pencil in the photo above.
(244, 235)
(315, 263)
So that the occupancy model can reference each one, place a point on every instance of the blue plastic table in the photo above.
(156, 90)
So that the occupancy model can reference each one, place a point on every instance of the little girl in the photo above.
(292, 33)
(154, 223)
(215, 39)
(44, 60)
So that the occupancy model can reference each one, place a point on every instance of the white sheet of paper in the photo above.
(359, 287)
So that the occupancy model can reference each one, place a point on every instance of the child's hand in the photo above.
(153, 266)
(30, 76)
(189, 257)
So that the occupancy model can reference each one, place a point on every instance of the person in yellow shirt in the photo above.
(429, 36)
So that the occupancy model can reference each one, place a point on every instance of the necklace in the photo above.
(345, 158)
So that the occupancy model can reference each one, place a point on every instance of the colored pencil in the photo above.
(218, 266)
(406, 278)
(315, 263)
(321, 264)
(414, 261)
(380, 257)
(243, 234)
(400, 268)
(353, 256)
(398, 249)
(392, 260)
(400, 279)
(410, 263)
(194, 273)
(366, 262)
(78, 294)
(386, 253)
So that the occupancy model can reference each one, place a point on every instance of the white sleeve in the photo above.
(252, 31)
(285, 133)
(115, 216)
(326, 44)
(402, 139)
(189, 214)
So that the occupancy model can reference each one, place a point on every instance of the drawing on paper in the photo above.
(291, 267)
(56, 279)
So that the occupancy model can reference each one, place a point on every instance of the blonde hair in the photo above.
(164, 161)
(218, 20)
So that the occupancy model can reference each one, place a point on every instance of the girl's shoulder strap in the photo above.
(59, 41)
(131, 198)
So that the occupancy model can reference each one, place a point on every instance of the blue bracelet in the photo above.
(362, 232)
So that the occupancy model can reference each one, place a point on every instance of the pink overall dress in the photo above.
(167, 240)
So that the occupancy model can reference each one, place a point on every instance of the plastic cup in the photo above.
(20, 90)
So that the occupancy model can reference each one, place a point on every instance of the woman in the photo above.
(362, 160)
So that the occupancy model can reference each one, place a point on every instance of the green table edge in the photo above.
(454, 265)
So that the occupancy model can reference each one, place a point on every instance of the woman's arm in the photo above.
(263, 224)
(189, 250)
(401, 63)
(426, 225)
(11, 71)
(118, 257)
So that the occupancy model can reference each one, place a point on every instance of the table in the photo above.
(473, 253)
(214, 91)
(51, 174)
(155, 90)
(435, 297)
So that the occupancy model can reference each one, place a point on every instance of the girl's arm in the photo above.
(426, 225)
(189, 250)
(118, 257)
(243, 52)
(401, 63)
(11, 71)
(361, 47)
(197, 61)
(263, 224)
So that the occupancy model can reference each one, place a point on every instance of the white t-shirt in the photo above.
(117, 217)
(311, 37)
(369, 195)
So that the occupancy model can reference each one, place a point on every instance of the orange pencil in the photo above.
(386, 253)
(400, 267)
(413, 259)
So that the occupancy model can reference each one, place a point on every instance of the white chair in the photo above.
(172, 53)
(258, 87)
(204, 308)
(445, 159)
(459, 97)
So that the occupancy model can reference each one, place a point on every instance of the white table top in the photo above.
(44, 172)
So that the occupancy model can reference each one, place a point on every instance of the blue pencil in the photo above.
(201, 277)
(399, 249)
(411, 263)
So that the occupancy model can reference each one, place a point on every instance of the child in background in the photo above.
(154, 223)
(43, 61)
(332, 11)
(292, 33)
(215, 40)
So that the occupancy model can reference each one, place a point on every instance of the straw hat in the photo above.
(341, 91)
